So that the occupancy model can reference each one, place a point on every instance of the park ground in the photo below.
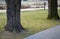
(33, 21)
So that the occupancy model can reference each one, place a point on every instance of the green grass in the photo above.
(33, 21)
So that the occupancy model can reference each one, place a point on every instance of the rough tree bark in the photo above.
(13, 16)
(52, 9)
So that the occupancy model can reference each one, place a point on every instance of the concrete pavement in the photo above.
(28, 9)
(52, 33)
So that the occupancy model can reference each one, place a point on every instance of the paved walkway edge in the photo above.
(52, 33)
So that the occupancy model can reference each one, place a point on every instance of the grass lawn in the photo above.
(33, 21)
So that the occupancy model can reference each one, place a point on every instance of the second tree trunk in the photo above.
(52, 9)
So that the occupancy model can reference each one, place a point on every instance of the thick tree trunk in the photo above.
(52, 9)
(13, 16)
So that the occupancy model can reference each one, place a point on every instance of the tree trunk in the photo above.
(13, 16)
(44, 5)
(52, 9)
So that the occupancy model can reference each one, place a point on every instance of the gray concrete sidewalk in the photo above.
(28, 9)
(52, 33)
